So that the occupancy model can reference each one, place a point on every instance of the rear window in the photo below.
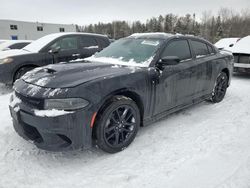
(200, 48)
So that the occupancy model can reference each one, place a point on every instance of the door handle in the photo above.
(76, 55)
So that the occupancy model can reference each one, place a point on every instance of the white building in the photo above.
(19, 30)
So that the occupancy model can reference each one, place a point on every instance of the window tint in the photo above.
(102, 42)
(200, 48)
(88, 42)
(210, 49)
(18, 45)
(67, 43)
(179, 48)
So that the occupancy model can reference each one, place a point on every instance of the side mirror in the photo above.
(54, 50)
(169, 60)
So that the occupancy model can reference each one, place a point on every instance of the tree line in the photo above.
(226, 23)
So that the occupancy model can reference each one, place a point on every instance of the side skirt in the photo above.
(163, 115)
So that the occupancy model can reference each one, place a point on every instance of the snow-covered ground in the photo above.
(207, 145)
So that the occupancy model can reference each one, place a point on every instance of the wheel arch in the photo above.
(121, 92)
(28, 64)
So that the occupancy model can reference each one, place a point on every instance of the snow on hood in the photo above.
(119, 61)
(242, 46)
(65, 75)
(226, 42)
(10, 53)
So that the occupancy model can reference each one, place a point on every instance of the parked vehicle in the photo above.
(107, 97)
(226, 43)
(14, 44)
(51, 49)
(241, 52)
(2, 41)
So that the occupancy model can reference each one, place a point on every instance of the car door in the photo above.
(68, 49)
(203, 59)
(177, 83)
(88, 46)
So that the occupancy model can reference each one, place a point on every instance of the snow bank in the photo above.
(5, 89)
(205, 146)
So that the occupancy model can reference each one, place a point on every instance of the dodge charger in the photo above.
(103, 100)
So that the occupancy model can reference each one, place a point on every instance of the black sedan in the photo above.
(50, 49)
(107, 97)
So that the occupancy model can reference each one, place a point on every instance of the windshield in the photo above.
(128, 51)
(37, 45)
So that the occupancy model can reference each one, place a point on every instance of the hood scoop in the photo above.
(49, 70)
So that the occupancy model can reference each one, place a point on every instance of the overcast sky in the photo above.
(92, 11)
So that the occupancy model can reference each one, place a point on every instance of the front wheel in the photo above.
(220, 88)
(117, 124)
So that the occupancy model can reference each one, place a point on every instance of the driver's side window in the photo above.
(179, 48)
(67, 43)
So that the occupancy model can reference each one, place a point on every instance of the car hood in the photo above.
(72, 74)
(11, 53)
(242, 46)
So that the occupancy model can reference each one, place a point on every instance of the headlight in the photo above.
(6, 60)
(65, 104)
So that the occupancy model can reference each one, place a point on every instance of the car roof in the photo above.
(55, 35)
(163, 36)
(157, 35)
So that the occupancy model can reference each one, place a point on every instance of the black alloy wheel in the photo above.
(118, 124)
(220, 88)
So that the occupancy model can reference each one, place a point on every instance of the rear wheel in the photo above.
(117, 124)
(21, 72)
(220, 88)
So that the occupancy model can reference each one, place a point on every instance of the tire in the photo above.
(117, 124)
(220, 88)
(20, 72)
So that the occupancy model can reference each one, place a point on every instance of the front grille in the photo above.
(242, 58)
(32, 102)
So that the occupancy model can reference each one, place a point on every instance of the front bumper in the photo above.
(65, 132)
(241, 67)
